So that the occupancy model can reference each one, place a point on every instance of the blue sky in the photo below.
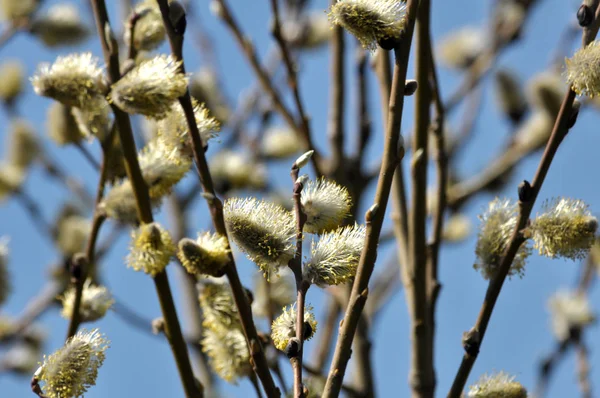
(518, 334)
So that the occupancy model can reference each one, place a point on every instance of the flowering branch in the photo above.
(259, 361)
(375, 215)
(172, 328)
(302, 285)
(526, 202)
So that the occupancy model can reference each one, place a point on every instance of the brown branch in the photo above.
(422, 376)
(259, 360)
(337, 101)
(583, 367)
(375, 215)
(172, 328)
(559, 131)
(248, 50)
(302, 285)
(363, 115)
(441, 162)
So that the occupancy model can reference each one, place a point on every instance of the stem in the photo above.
(259, 360)
(172, 328)
(422, 376)
(441, 161)
(88, 156)
(302, 286)
(559, 131)
(335, 125)
(376, 214)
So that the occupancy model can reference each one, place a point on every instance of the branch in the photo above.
(375, 215)
(172, 328)
(337, 101)
(259, 361)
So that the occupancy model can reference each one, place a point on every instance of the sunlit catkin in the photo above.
(15, 10)
(207, 255)
(11, 178)
(545, 92)
(149, 31)
(326, 205)
(95, 302)
(495, 231)
(72, 232)
(334, 257)
(570, 311)
(173, 129)
(73, 79)
(150, 88)
(284, 326)
(280, 143)
(218, 307)
(228, 353)
(162, 167)
(565, 228)
(460, 48)
(72, 369)
(60, 25)
(582, 73)
(510, 96)
(235, 170)
(11, 75)
(264, 231)
(498, 385)
(151, 249)
(370, 21)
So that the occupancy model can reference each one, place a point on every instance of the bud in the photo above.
(95, 301)
(585, 15)
(151, 88)
(207, 255)
(228, 353)
(158, 326)
(370, 21)
(149, 31)
(497, 385)
(303, 160)
(510, 96)
(410, 87)
(173, 130)
(11, 76)
(565, 228)
(151, 249)
(545, 92)
(71, 370)
(280, 143)
(60, 25)
(23, 146)
(460, 48)
(11, 178)
(570, 311)
(61, 125)
(72, 80)
(218, 306)
(271, 296)
(204, 87)
(264, 231)
(177, 17)
(495, 231)
(15, 10)
(292, 349)
(457, 228)
(311, 31)
(335, 256)
(325, 204)
(533, 134)
(284, 327)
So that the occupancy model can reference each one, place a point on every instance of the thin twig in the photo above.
(259, 360)
(375, 215)
(88, 156)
